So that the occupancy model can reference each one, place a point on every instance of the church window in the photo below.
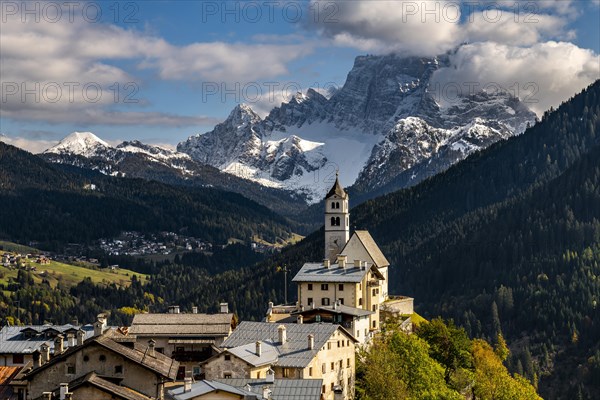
(332, 221)
(337, 221)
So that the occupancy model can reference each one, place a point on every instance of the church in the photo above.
(349, 286)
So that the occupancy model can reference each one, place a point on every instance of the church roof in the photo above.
(337, 189)
(371, 247)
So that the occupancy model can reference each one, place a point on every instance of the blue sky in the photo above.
(167, 70)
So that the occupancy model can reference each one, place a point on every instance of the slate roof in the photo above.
(120, 392)
(337, 189)
(317, 272)
(204, 387)
(294, 353)
(339, 309)
(212, 325)
(369, 244)
(13, 341)
(268, 353)
(159, 363)
(282, 389)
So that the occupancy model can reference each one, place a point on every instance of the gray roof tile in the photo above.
(282, 389)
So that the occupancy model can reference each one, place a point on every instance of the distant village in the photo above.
(301, 351)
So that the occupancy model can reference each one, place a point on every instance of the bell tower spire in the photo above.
(337, 220)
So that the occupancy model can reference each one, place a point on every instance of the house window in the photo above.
(258, 375)
(310, 301)
(374, 324)
(310, 286)
(179, 349)
(227, 357)
(227, 375)
(160, 350)
(338, 344)
(360, 302)
(323, 390)
(341, 287)
(18, 359)
(71, 369)
(86, 358)
(374, 307)
(324, 286)
(287, 372)
(341, 300)
(102, 358)
(357, 334)
(310, 371)
(328, 345)
(348, 342)
(118, 369)
(323, 369)
(341, 364)
(347, 363)
(332, 365)
(196, 371)
(317, 318)
(325, 301)
(332, 386)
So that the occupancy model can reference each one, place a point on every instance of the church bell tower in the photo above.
(337, 220)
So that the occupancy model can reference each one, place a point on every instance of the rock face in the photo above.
(388, 123)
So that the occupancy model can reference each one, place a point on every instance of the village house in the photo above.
(257, 350)
(100, 368)
(188, 338)
(18, 343)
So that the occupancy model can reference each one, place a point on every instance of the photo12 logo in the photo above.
(69, 11)
(456, 92)
(269, 11)
(72, 92)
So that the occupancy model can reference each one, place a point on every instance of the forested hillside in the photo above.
(54, 206)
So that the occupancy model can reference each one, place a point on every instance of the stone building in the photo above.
(288, 351)
(189, 338)
(101, 363)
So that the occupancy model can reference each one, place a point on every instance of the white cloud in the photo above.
(433, 27)
(542, 75)
(382, 26)
(34, 146)
(56, 55)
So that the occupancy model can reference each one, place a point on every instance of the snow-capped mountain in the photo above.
(388, 120)
(134, 159)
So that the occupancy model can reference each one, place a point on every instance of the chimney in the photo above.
(282, 334)
(258, 348)
(311, 342)
(326, 263)
(266, 393)
(341, 261)
(300, 319)
(80, 337)
(58, 345)
(357, 263)
(71, 339)
(45, 353)
(194, 310)
(224, 308)
(187, 385)
(151, 346)
(47, 395)
(64, 389)
(270, 378)
(36, 359)
(338, 393)
(100, 325)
